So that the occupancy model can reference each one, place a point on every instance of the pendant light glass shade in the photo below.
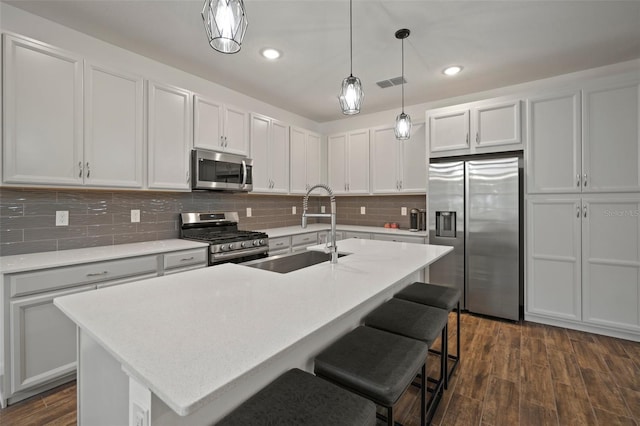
(351, 94)
(403, 127)
(225, 22)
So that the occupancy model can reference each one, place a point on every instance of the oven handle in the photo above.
(244, 174)
(240, 253)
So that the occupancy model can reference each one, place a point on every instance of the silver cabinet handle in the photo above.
(400, 184)
(80, 167)
(88, 170)
(577, 211)
(584, 209)
(97, 274)
(467, 138)
(279, 244)
(578, 179)
(187, 176)
(222, 141)
(585, 180)
(477, 138)
(186, 259)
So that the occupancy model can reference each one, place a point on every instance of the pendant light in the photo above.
(403, 121)
(225, 22)
(351, 95)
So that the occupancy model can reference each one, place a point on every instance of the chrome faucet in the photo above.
(332, 215)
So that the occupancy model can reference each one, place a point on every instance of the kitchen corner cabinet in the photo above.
(220, 127)
(349, 162)
(583, 259)
(587, 141)
(169, 134)
(42, 106)
(305, 159)
(480, 127)
(398, 166)
(270, 154)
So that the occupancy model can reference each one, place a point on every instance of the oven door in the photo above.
(220, 171)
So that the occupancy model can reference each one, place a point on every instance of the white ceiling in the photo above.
(499, 43)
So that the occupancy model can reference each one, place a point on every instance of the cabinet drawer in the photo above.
(304, 239)
(399, 238)
(279, 243)
(185, 258)
(355, 234)
(49, 279)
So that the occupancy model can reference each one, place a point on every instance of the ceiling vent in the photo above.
(396, 81)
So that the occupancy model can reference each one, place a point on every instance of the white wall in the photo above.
(29, 25)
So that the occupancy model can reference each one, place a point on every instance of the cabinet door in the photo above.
(43, 340)
(337, 163)
(236, 134)
(611, 261)
(496, 124)
(448, 130)
(279, 157)
(358, 162)
(208, 119)
(169, 133)
(260, 153)
(314, 159)
(553, 257)
(414, 161)
(113, 128)
(42, 106)
(298, 161)
(611, 139)
(554, 135)
(384, 160)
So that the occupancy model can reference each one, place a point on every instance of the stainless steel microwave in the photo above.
(220, 171)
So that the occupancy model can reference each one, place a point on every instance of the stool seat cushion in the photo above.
(409, 319)
(300, 398)
(375, 363)
(431, 294)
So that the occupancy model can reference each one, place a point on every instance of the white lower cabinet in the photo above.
(185, 260)
(280, 245)
(300, 242)
(583, 260)
(43, 340)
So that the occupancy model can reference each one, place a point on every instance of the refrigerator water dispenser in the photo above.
(446, 224)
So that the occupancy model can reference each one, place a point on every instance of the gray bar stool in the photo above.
(440, 297)
(416, 321)
(297, 398)
(375, 364)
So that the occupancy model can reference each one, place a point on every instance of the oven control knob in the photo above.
(261, 242)
(223, 247)
(256, 242)
(231, 247)
(243, 244)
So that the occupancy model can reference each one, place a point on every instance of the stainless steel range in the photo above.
(227, 242)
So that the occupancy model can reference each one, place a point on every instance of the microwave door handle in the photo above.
(244, 173)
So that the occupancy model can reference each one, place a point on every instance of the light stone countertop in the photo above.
(53, 259)
(316, 227)
(190, 337)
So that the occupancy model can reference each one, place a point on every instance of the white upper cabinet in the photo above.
(611, 139)
(113, 132)
(220, 127)
(270, 154)
(554, 151)
(305, 158)
(398, 166)
(349, 162)
(42, 105)
(487, 126)
(169, 135)
(587, 143)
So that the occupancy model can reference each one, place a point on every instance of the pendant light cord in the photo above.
(351, 38)
(403, 75)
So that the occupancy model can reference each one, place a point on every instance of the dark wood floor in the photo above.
(510, 374)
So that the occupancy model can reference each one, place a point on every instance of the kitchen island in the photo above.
(186, 349)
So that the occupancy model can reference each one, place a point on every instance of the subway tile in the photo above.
(21, 195)
(11, 209)
(157, 226)
(45, 209)
(137, 237)
(11, 236)
(165, 235)
(75, 243)
(26, 222)
(90, 219)
(122, 228)
(9, 249)
(104, 207)
(54, 233)
(84, 196)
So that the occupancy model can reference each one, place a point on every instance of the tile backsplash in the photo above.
(103, 217)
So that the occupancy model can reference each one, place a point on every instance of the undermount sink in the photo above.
(291, 262)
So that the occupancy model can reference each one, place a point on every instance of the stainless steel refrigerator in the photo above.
(475, 206)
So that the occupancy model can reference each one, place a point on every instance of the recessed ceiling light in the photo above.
(452, 70)
(270, 53)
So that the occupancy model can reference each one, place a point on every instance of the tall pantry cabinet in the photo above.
(583, 207)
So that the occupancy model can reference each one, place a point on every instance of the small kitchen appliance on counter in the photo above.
(414, 220)
(226, 242)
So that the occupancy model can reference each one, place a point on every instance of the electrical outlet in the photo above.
(293, 209)
(62, 218)
(323, 209)
(248, 211)
(135, 215)
(403, 211)
(363, 210)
